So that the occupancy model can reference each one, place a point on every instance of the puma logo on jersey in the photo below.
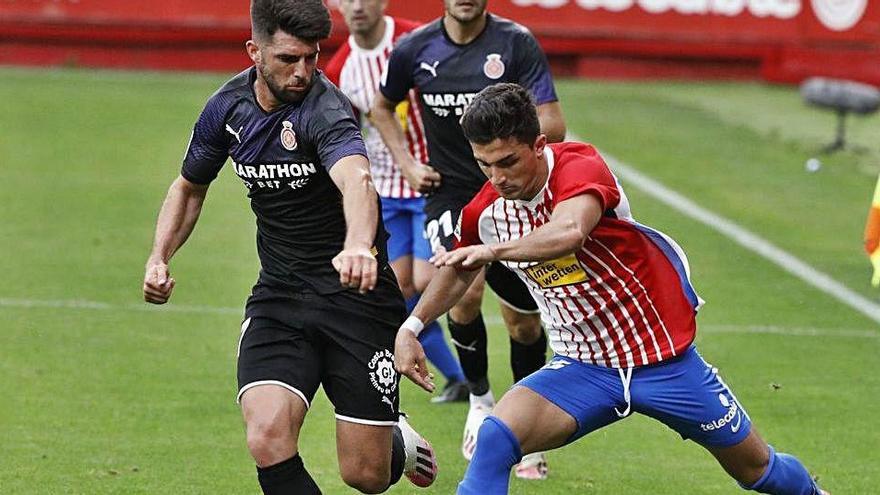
(386, 400)
(430, 68)
(237, 135)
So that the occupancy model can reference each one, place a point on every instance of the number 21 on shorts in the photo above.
(433, 230)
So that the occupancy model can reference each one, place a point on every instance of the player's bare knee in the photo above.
(751, 468)
(525, 329)
(270, 440)
(366, 477)
(268, 449)
(747, 461)
(514, 416)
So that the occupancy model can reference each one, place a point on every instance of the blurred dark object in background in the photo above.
(843, 97)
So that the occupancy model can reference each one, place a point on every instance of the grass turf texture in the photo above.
(129, 399)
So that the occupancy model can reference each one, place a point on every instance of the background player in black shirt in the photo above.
(326, 305)
(449, 61)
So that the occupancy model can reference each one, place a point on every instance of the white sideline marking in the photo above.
(790, 331)
(80, 304)
(96, 305)
(745, 238)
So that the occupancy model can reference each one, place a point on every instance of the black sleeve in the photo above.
(209, 145)
(533, 70)
(335, 130)
(396, 80)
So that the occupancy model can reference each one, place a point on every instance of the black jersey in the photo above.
(448, 76)
(283, 158)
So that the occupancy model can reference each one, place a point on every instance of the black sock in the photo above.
(526, 359)
(287, 478)
(470, 343)
(398, 455)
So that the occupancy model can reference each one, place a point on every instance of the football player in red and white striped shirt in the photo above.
(356, 68)
(615, 297)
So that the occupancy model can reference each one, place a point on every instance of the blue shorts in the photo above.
(686, 394)
(405, 221)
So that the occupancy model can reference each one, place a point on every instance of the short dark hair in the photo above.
(308, 20)
(501, 111)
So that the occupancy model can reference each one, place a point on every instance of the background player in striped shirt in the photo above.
(615, 296)
(356, 68)
(449, 61)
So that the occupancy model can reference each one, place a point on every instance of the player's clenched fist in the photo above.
(423, 178)
(357, 269)
(157, 282)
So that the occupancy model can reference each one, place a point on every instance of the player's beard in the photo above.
(468, 18)
(283, 95)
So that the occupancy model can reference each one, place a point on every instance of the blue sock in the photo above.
(497, 452)
(436, 349)
(785, 475)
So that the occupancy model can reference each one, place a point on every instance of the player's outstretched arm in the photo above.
(446, 288)
(176, 221)
(572, 221)
(356, 264)
(552, 122)
(421, 177)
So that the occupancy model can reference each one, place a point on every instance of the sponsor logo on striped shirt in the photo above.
(557, 273)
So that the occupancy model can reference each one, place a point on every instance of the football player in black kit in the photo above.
(326, 306)
(448, 61)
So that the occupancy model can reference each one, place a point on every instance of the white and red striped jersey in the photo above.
(625, 298)
(357, 72)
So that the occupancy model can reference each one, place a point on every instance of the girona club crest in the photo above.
(288, 137)
(494, 67)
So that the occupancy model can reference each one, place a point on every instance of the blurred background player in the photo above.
(325, 307)
(616, 294)
(448, 61)
(356, 68)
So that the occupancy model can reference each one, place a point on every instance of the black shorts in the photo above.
(441, 217)
(343, 341)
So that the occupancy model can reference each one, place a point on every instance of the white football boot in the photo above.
(532, 467)
(481, 406)
(420, 465)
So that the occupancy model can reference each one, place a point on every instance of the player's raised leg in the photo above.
(372, 458)
(273, 416)
(364, 460)
(373, 444)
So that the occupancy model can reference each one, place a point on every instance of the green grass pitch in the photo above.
(101, 394)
